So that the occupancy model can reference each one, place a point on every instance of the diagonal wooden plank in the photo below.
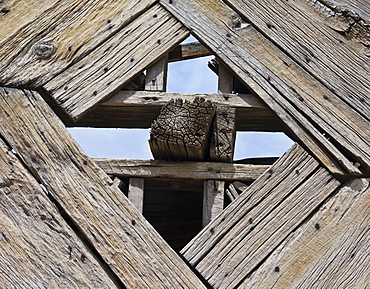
(36, 245)
(72, 29)
(119, 233)
(249, 229)
(299, 30)
(304, 104)
(329, 251)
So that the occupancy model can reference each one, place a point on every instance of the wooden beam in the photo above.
(223, 135)
(87, 196)
(213, 200)
(156, 75)
(188, 51)
(138, 109)
(180, 170)
(136, 193)
(225, 79)
(260, 219)
(181, 131)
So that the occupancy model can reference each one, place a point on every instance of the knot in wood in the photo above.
(44, 50)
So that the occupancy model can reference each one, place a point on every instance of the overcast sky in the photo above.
(189, 76)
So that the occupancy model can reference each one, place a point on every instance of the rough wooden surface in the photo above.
(223, 135)
(188, 51)
(185, 170)
(119, 233)
(136, 193)
(307, 39)
(330, 250)
(37, 247)
(156, 75)
(213, 200)
(251, 227)
(182, 130)
(302, 102)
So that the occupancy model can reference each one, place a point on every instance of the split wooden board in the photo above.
(135, 252)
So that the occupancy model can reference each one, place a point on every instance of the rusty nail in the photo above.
(297, 172)
(155, 98)
(250, 220)
(269, 25)
(212, 230)
(33, 159)
(83, 257)
(85, 162)
(66, 87)
(153, 79)
(106, 69)
(362, 99)
(325, 97)
(133, 222)
(155, 15)
(225, 113)
(95, 92)
(277, 269)
(268, 78)
(317, 226)
(228, 35)
(5, 10)
(109, 21)
(170, 1)
(70, 248)
(307, 59)
(159, 41)
(42, 217)
(132, 60)
(300, 98)
(270, 171)
(226, 96)
(146, 97)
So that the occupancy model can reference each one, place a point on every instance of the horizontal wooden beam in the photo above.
(188, 51)
(184, 170)
(138, 109)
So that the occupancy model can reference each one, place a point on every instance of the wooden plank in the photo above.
(116, 61)
(136, 193)
(37, 247)
(295, 27)
(329, 250)
(118, 232)
(287, 89)
(213, 200)
(188, 51)
(156, 75)
(223, 135)
(225, 79)
(184, 170)
(57, 24)
(248, 231)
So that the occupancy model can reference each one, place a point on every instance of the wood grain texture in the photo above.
(213, 200)
(156, 75)
(136, 193)
(74, 28)
(138, 45)
(320, 50)
(188, 51)
(184, 170)
(119, 233)
(294, 95)
(329, 251)
(251, 227)
(34, 238)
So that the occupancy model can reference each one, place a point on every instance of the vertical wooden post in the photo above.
(213, 200)
(156, 75)
(136, 193)
(225, 79)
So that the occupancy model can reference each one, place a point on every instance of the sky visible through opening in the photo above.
(188, 76)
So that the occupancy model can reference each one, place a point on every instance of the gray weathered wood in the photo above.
(295, 96)
(251, 227)
(306, 38)
(188, 51)
(34, 238)
(223, 135)
(110, 223)
(139, 44)
(181, 131)
(213, 200)
(225, 79)
(185, 170)
(136, 193)
(330, 250)
(156, 75)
